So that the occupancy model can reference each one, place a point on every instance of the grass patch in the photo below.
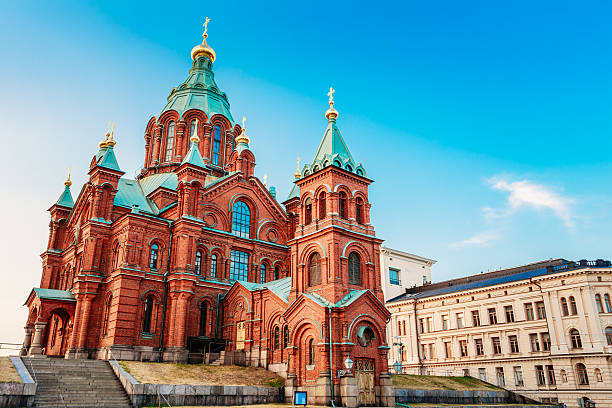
(8, 373)
(430, 382)
(200, 374)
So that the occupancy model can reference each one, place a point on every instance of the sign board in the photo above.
(300, 398)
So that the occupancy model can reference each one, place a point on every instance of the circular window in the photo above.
(365, 335)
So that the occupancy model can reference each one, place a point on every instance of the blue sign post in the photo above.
(300, 398)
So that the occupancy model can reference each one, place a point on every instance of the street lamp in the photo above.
(348, 364)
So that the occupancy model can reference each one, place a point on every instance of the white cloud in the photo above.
(482, 239)
(528, 194)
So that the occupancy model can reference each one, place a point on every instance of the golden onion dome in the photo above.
(68, 182)
(242, 137)
(203, 49)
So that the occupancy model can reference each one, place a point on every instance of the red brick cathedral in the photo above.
(197, 255)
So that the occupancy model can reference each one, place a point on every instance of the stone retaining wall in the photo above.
(151, 394)
(14, 394)
(411, 396)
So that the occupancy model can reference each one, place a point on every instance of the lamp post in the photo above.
(348, 364)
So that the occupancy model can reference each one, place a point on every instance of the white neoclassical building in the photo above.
(543, 330)
(401, 270)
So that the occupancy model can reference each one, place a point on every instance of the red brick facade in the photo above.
(194, 256)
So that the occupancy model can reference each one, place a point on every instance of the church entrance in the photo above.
(364, 372)
(240, 335)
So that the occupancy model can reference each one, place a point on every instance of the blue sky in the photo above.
(485, 125)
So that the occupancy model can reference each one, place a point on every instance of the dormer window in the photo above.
(169, 141)
(216, 145)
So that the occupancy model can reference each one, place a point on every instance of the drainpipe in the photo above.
(331, 360)
(166, 287)
(416, 333)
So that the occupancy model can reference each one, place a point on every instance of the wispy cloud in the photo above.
(483, 239)
(526, 193)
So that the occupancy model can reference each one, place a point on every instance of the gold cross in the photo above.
(298, 164)
(243, 121)
(206, 25)
(331, 96)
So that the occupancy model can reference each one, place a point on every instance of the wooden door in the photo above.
(364, 371)
(240, 335)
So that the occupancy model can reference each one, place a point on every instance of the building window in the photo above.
(421, 326)
(276, 272)
(314, 268)
(394, 276)
(342, 204)
(459, 320)
(399, 328)
(475, 318)
(529, 311)
(198, 263)
(479, 347)
(509, 314)
(518, 376)
(404, 326)
(148, 314)
(429, 324)
(322, 206)
(573, 307)
(359, 210)
(492, 316)
(241, 219)
(576, 340)
(598, 303)
(213, 265)
(609, 335)
(514, 345)
(583, 378)
(608, 305)
(192, 128)
(308, 212)
(540, 376)
(563, 376)
(286, 337)
(216, 145)
(482, 374)
(535, 342)
(262, 277)
(445, 322)
(550, 372)
(564, 308)
(545, 341)
(496, 345)
(239, 265)
(598, 375)
(203, 314)
(276, 338)
(448, 351)
(169, 141)
(501, 380)
(354, 269)
(311, 352)
(541, 310)
(154, 256)
(463, 348)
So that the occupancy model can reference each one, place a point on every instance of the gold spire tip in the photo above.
(68, 183)
(194, 137)
(242, 137)
(297, 171)
(331, 113)
(265, 180)
(204, 48)
(331, 96)
(110, 142)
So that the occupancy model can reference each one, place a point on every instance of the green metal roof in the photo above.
(345, 301)
(295, 192)
(166, 180)
(199, 91)
(333, 151)
(130, 194)
(65, 199)
(193, 156)
(106, 158)
(54, 294)
(280, 287)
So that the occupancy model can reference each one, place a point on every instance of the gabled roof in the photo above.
(165, 180)
(345, 301)
(65, 200)
(280, 287)
(193, 156)
(106, 158)
(54, 294)
(130, 194)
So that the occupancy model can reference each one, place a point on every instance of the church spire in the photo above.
(204, 49)
(193, 156)
(65, 199)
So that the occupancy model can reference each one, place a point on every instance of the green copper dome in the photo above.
(199, 91)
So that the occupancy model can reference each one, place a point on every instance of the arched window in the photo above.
(573, 308)
(213, 265)
(198, 263)
(354, 269)
(607, 302)
(286, 337)
(322, 206)
(314, 267)
(148, 314)
(154, 256)
(262, 278)
(203, 315)
(192, 128)
(609, 335)
(564, 309)
(308, 212)
(276, 273)
(575, 337)
(276, 338)
(359, 210)
(598, 375)
(581, 373)
(169, 141)
(241, 224)
(598, 303)
(216, 145)
(106, 317)
(311, 352)
(342, 204)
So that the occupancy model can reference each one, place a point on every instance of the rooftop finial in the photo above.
(265, 180)
(331, 113)
(194, 137)
(68, 183)
(204, 48)
(110, 141)
(206, 27)
(103, 143)
(297, 174)
(243, 138)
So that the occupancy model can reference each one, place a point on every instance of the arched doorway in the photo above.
(56, 342)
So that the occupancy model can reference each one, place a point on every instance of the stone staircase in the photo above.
(220, 360)
(75, 383)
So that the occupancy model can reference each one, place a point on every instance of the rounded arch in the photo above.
(150, 126)
(205, 298)
(365, 318)
(311, 248)
(192, 114)
(218, 119)
(248, 201)
(168, 117)
(302, 327)
(218, 218)
(151, 292)
(358, 247)
(343, 187)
